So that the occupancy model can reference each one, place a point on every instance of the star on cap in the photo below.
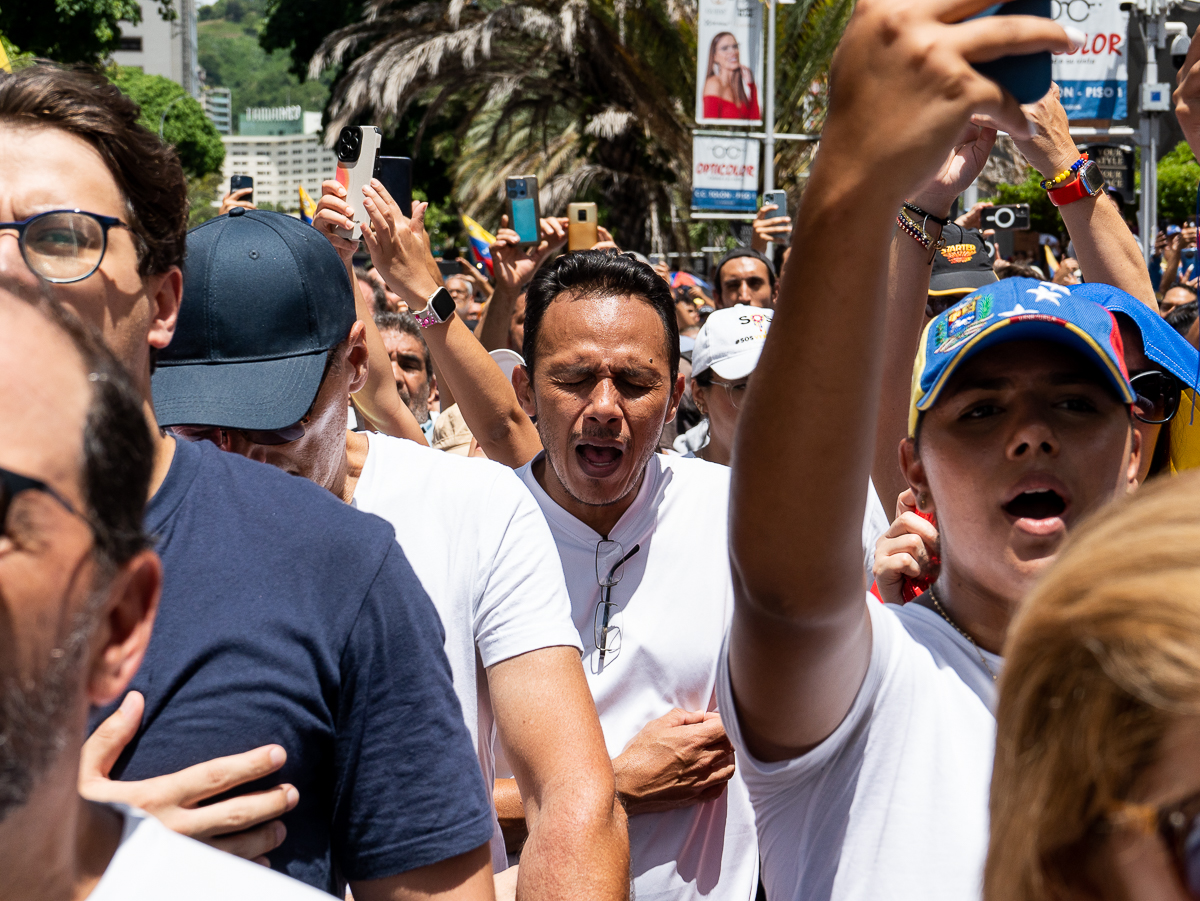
(1048, 292)
(1018, 310)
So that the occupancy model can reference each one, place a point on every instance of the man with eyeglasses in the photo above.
(474, 536)
(79, 589)
(274, 647)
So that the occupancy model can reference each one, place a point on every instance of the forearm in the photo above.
(578, 847)
(1106, 249)
(486, 399)
(1170, 271)
(510, 811)
(493, 327)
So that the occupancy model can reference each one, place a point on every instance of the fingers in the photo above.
(104, 746)
(678, 717)
(381, 225)
(389, 204)
(418, 215)
(252, 844)
(220, 775)
(984, 40)
(906, 501)
(244, 812)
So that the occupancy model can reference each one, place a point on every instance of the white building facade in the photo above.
(157, 47)
(280, 163)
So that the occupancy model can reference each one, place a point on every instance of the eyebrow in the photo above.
(999, 383)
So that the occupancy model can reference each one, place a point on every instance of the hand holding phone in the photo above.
(581, 226)
(1027, 76)
(524, 209)
(358, 162)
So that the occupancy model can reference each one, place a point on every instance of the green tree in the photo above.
(71, 31)
(182, 120)
(299, 26)
(1178, 176)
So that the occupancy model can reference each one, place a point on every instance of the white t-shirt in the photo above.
(673, 604)
(894, 804)
(153, 863)
(482, 550)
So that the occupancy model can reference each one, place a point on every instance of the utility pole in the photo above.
(769, 113)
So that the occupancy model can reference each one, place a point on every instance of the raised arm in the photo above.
(486, 398)
(902, 90)
(1106, 249)
(513, 267)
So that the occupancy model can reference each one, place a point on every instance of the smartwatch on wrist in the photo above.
(438, 309)
(1088, 182)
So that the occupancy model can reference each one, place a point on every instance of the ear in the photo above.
(125, 627)
(435, 399)
(914, 471)
(700, 397)
(166, 294)
(357, 356)
(676, 397)
(524, 388)
(1135, 459)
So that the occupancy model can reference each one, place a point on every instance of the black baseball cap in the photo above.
(265, 297)
(962, 265)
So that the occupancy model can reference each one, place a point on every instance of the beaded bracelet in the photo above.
(909, 205)
(1062, 177)
(918, 234)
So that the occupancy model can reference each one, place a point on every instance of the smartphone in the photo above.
(779, 198)
(396, 174)
(524, 210)
(1007, 217)
(237, 182)
(581, 226)
(1026, 77)
(1187, 263)
(358, 162)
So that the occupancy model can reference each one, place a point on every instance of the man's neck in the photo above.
(164, 448)
(357, 448)
(980, 612)
(57, 846)
(600, 519)
(715, 451)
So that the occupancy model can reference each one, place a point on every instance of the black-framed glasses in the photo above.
(1156, 396)
(735, 390)
(610, 566)
(1177, 824)
(13, 483)
(1077, 10)
(63, 246)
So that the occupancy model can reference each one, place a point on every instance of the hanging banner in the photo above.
(1094, 79)
(729, 62)
(725, 173)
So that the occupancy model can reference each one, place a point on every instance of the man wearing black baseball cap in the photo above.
(961, 265)
(265, 356)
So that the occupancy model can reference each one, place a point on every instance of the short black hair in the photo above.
(742, 252)
(407, 324)
(593, 273)
(118, 454)
(1182, 317)
(378, 298)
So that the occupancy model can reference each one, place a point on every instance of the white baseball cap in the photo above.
(730, 341)
(508, 360)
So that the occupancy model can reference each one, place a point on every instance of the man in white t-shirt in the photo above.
(483, 553)
(79, 590)
(864, 730)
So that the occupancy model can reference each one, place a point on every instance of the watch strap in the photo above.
(1076, 189)
(430, 316)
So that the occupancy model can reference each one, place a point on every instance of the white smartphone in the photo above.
(358, 162)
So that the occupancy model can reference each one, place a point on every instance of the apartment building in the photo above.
(280, 148)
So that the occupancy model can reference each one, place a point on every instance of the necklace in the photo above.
(953, 625)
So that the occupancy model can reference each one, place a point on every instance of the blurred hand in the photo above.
(333, 212)
(474, 275)
(398, 245)
(767, 229)
(904, 550)
(959, 170)
(973, 218)
(236, 198)
(605, 241)
(246, 826)
(1187, 96)
(663, 271)
(1051, 150)
(677, 760)
(512, 265)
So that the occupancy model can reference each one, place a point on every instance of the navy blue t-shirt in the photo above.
(288, 617)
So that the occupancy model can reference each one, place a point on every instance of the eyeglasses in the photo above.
(1178, 825)
(1077, 10)
(12, 484)
(610, 566)
(63, 246)
(735, 390)
(1156, 396)
(219, 436)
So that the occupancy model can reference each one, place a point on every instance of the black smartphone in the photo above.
(237, 182)
(1007, 217)
(1026, 77)
(396, 174)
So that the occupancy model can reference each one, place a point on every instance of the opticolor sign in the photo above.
(1094, 78)
(725, 173)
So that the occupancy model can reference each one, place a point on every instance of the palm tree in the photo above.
(594, 96)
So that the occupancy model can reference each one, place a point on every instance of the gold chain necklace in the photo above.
(953, 625)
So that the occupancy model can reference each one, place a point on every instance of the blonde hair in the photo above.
(1100, 661)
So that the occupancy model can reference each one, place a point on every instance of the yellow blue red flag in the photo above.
(308, 209)
(481, 242)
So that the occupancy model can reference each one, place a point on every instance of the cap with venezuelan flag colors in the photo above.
(1014, 309)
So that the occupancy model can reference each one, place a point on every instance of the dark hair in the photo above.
(1183, 287)
(1182, 317)
(742, 252)
(595, 273)
(406, 323)
(118, 454)
(378, 298)
(84, 103)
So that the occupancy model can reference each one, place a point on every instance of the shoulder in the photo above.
(692, 472)
(152, 861)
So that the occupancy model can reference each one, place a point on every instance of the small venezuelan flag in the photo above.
(481, 241)
(308, 209)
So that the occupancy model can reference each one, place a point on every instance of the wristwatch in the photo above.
(438, 309)
(1087, 183)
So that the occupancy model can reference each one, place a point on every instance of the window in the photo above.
(130, 45)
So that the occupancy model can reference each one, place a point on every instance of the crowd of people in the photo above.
(322, 572)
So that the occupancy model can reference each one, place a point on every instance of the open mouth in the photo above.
(598, 460)
(1044, 503)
